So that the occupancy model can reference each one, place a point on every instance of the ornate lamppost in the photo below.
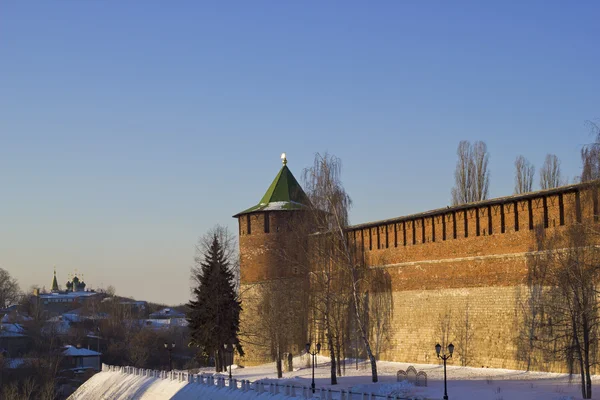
(170, 348)
(314, 355)
(229, 351)
(444, 356)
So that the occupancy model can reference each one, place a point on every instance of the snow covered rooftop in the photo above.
(164, 323)
(71, 351)
(66, 295)
(15, 316)
(167, 313)
(11, 330)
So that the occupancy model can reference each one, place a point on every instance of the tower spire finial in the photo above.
(283, 159)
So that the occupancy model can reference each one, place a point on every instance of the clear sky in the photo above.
(129, 128)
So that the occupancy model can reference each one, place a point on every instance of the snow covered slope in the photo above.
(464, 383)
(127, 383)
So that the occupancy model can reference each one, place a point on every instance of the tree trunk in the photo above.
(580, 357)
(586, 348)
(363, 333)
(278, 364)
(337, 349)
(331, 354)
(217, 366)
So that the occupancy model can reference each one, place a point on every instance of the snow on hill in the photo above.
(464, 383)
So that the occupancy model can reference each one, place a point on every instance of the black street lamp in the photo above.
(229, 351)
(170, 350)
(314, 356)
(444, 357)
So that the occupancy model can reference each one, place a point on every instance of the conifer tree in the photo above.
(215, 309)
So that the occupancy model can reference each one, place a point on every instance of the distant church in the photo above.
(461, 268)
(74, 285)
(60, 301)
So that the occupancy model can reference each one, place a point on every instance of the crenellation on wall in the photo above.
(553, 211)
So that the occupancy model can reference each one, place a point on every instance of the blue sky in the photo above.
(129, 128)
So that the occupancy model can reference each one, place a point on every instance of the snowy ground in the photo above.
(464, 383)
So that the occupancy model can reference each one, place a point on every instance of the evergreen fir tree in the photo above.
(215, 309)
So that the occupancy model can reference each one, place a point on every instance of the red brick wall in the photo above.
(425, 234)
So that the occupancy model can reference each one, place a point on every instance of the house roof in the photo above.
(15, 316)
(11, 330)
(67, 295)
(285, 193)
(167, 313)
(164, 323)
(71, 351)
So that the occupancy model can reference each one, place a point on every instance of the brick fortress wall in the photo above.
(462, 270)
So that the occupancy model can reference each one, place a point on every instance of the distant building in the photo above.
(13, 340)
(59, 302)
(134, 308)
(167, 313)
(164, 324)
(78, 358)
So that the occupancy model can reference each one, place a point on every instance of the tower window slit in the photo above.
(267, 227)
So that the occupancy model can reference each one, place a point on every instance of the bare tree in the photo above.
(444, 332)
(463, 334)
(329, 210)
(590, 155)
(550, 173)
(575, 275)
(9, 289)
(381, 308)
(565, 293)
(524, 172)
(471, 175)
(279, 302)
(532, 304)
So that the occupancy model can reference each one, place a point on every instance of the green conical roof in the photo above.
(285, 193)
